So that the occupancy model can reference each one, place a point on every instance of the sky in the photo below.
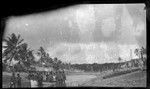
(86, 33)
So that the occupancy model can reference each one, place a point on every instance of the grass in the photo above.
(118, 73)
(6, 79)
(73, 79)
(76, 80)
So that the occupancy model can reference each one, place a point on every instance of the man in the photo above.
(58, 79)
(18, 80)
(64, 78)
(13, 81)
(29, 77)
(61, 78)
(33, 79)
(40, 80)
(47, 76)
(50, 77)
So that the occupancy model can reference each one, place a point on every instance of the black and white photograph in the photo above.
(83, 45)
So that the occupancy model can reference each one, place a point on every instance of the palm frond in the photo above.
(9, 38)
(6, 59)
(5, 40)
(18, 37)
(5, 46)
(8, 42)
(7, 51)
(20, 41)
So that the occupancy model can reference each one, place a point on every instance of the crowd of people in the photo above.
(15, 81)
(38, 77)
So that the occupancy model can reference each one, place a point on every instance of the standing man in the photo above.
(13, 81)
(58, 78)
(18, 80)
(61, 78)
(50, 77)
(29, 77)
(40, 80)
(64, 77)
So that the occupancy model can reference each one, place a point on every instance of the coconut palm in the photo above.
(55, 65)
(45, 58)
(50, 61)
(12, 48)
(59, 63)
(143, 52)
(137, 52)
(140, 53)
(42, 53)
(30, 57)
(26, 55)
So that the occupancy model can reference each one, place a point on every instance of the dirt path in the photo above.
(72, 79)
(76, 80)
(135, 79)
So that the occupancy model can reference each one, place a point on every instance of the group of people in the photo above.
(60, 79)
(15, 81)
(37, 78)
(57, 78)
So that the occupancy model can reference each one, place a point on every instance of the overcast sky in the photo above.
(85, 33)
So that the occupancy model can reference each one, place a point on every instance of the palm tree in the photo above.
(59, 63)
(12, 48)
(48, 60)
(42, 53)
(30, 57)
(137, 52)
(26, 55)
(140, 53)
(143, 52)
(55, 65)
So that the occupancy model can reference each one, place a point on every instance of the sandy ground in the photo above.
(135, 79)
(71, 79)
(76, 80)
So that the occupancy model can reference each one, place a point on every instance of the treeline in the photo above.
(141, 62)
(16, 49)
(96, 67)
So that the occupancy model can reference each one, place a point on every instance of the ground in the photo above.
(134, 79)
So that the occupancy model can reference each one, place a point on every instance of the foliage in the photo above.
(115, 74)
(17, 50)
(4, 67)
(140, 52)
(12, 48)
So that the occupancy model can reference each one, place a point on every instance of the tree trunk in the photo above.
(142, 63)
